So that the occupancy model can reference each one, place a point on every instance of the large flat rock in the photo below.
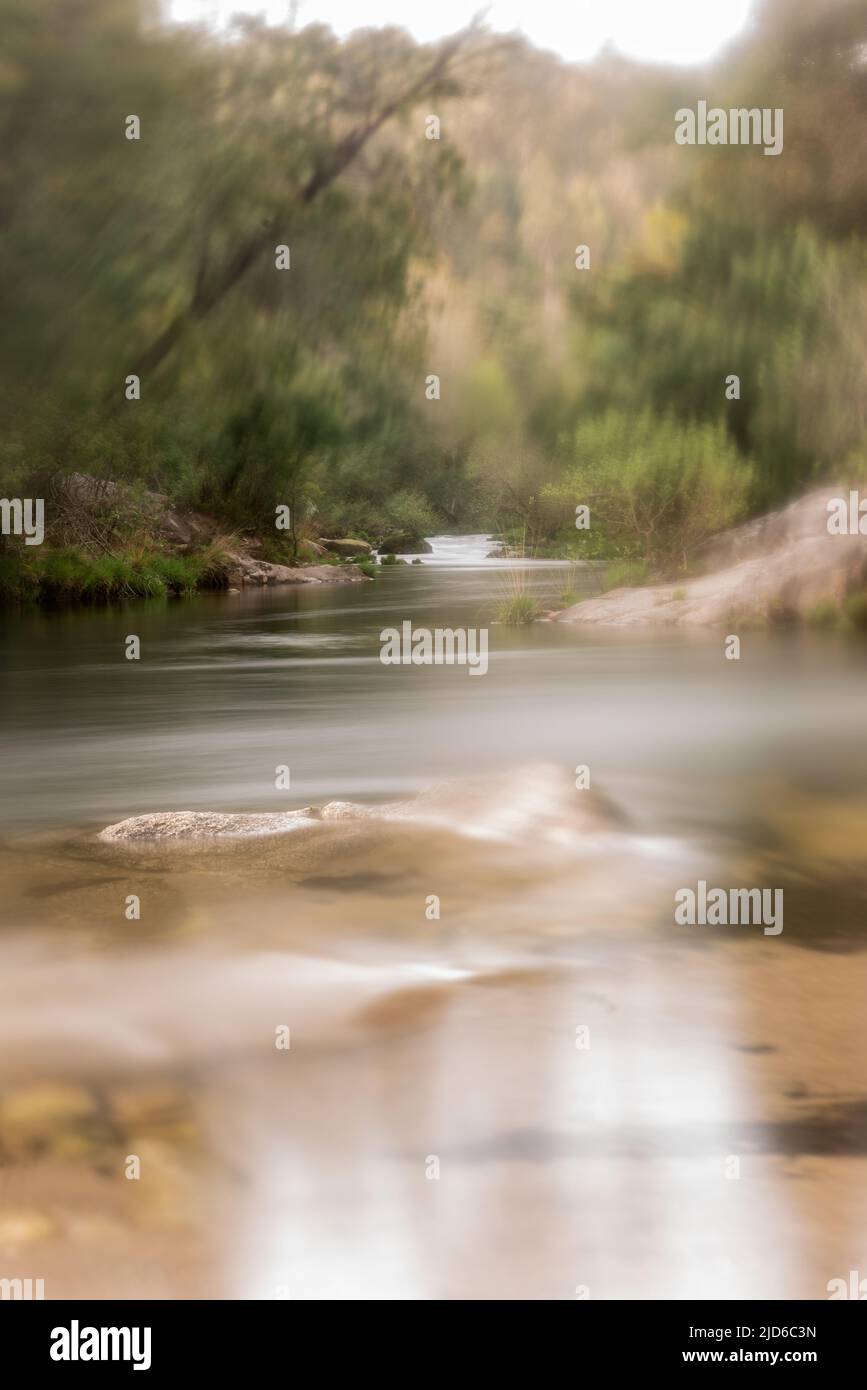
(204, 825)
(262, 573)
(775, 567)
(541, 802)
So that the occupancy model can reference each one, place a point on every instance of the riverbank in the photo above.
(107, 543)
(781, 569)
(73, 577)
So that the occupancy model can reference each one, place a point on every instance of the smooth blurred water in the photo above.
(413, 1035)
(231, 686)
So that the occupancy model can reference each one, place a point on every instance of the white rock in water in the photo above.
(199, 825)
(535, 800)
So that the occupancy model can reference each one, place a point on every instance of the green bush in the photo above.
(655, 486)
(410, 512)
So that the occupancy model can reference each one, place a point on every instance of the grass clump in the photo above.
(855, 610)
(570, 593)
(824, 615)
(626, 574)
(518, 604)
(519, 609)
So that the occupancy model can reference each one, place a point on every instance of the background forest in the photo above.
(413, 256)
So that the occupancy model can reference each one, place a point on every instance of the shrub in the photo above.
(655, 486)
(410, 512)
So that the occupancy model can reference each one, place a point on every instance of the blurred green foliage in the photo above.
(306, 386)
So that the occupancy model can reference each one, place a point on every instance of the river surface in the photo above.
(510, 1073)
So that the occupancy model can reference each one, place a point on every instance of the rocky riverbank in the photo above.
(107, 542)
(246, 571)
(783, 567)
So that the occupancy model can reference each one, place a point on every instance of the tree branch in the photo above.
(207, 294)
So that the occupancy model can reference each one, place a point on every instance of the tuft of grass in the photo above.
(518, 604)
(517, 610)
(215, 562)
(626, 574)
(570, 594)
(307, 555)
(824, 615)
(388, 560)
(855, 609)
(368, 568)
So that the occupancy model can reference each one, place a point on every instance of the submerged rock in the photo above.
(538, 800)
(210, 825)
(203, 825)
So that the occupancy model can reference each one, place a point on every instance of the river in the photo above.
(509, 1072)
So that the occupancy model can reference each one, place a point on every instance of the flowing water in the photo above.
(546, 1089)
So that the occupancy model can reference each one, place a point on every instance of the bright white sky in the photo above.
(671, 31)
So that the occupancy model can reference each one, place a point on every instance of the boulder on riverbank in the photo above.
(245, 572)
(347, 546)
(404, 543)
(785, 566)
